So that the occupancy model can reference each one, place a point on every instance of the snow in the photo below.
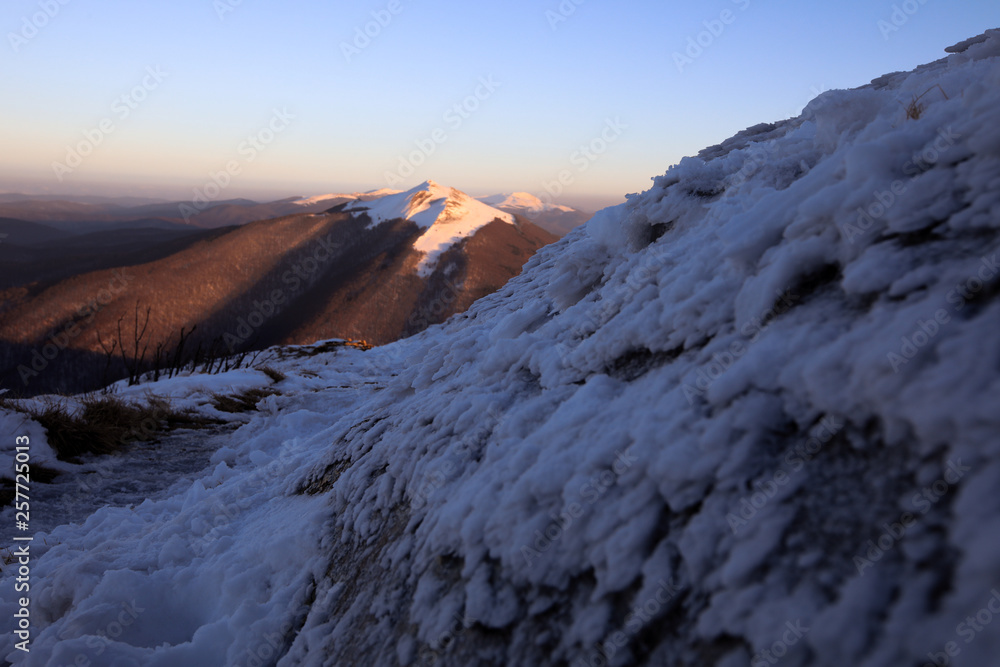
(312, 201)
(381, 192)
(735, 387)
(523, 200)
(447, 215)
(167, 562)
(371, 194)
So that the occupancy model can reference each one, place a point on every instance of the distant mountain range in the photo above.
(377, 267)
(90, 214)
(559, 220)
(82, 216)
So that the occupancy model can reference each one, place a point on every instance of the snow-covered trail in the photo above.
(143, 470)
(154, 563)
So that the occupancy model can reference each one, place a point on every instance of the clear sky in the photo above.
(534, 80)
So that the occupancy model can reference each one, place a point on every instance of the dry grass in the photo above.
(915, 109)
(324, 348)
(105, 425)
(275, 375)
(245, 401)
(8, 402)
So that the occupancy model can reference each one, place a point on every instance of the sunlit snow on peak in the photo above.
(523, 200)
(447, 215)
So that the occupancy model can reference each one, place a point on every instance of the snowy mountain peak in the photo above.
(310, 201)
(318, 199)
(447, 215)
(381, 192)
(522, 200)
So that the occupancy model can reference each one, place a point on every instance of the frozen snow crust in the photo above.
(733, 421)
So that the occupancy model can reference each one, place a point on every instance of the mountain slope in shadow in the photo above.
(290, 280)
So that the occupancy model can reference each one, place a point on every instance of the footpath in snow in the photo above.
(144, 470)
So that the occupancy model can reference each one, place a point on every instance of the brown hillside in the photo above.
(295, 279)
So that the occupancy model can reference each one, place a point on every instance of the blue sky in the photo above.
(559, 76)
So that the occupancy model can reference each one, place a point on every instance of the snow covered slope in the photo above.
(522, 200)
(361, 196)
(447, 214)
(320, 199)
(554, 218)
(748, 416)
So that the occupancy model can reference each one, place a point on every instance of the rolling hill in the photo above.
(376, 270)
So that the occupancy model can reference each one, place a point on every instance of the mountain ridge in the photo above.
(522, 200)
(446, 215)
(555, 218)
(87, 214)
(305, 277)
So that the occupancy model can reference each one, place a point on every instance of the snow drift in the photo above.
(748, 416)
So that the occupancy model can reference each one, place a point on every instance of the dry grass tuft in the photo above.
(323, 348)
(245, 401)
(275, 375)
(915, 109)
(104, 425)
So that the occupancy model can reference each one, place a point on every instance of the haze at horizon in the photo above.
(486, 98)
